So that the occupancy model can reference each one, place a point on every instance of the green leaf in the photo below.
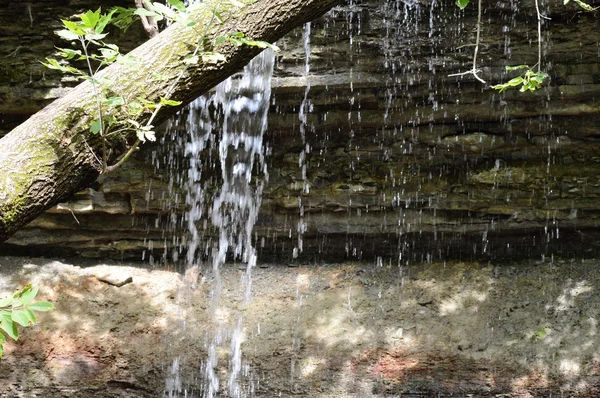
(53, 64)
(90, 18)
(126, 60)
(177, 4)
(146, 133)
(585, 6)
(462, 3)
(5, 302)
(168, 102)
(96, 126)
(113, 102)
(515, 81)
(134, 108)
(68, 53)
(104, 20)
(566, 2)
(110, 120)
(108, 55)
(539, 334)
(67, 34)
(164, 10)
(22, 318)
(2, 339)
(259, 44)
(149, 6)
(146, 13)
(123, 17)
(74, 27)
(95, 36)
(518, 67)
(7, 324)
(217, 16)
(500, 87)
(150, 135)
(28, 295)
(41, 306)
(30, 315)
(146, 103)
(191, 60)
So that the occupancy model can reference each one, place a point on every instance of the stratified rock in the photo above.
(404, 161)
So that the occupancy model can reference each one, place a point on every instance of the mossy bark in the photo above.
(52, 155)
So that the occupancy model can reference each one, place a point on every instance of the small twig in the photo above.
(149, 23)
(477, 43)
(14, 53)
(92, 151)
(469, 72)
(119, 131)
(130, 152)
(98, 106)
(73, 214)
(539, 26)
(474, 71)
(465, 45)
(30, 15)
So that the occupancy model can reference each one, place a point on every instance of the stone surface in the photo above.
(404, 161)
(350, 330)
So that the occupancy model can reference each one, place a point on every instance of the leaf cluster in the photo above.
(19, 309)
(115, 113)
(529, 81)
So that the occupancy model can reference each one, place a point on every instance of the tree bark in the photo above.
(53, 154)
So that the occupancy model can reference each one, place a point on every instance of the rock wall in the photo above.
(404, 161)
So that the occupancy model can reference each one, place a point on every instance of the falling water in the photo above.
(304, 110)
(242, 102)
(245, 104)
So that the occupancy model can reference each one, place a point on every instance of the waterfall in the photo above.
(241, 104)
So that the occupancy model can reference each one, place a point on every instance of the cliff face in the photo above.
(404, 161)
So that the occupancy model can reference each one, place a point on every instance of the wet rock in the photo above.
(411, 164)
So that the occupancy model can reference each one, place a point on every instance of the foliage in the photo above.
(529, 81)
(18, 309)
(115, 113)
(462, 4)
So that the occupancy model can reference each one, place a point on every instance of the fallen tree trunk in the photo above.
(53, 155)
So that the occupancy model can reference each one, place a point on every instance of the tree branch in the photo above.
(47, 159)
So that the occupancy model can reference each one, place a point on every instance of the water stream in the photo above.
(234, 120)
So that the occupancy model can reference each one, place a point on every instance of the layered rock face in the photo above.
(401, 160)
